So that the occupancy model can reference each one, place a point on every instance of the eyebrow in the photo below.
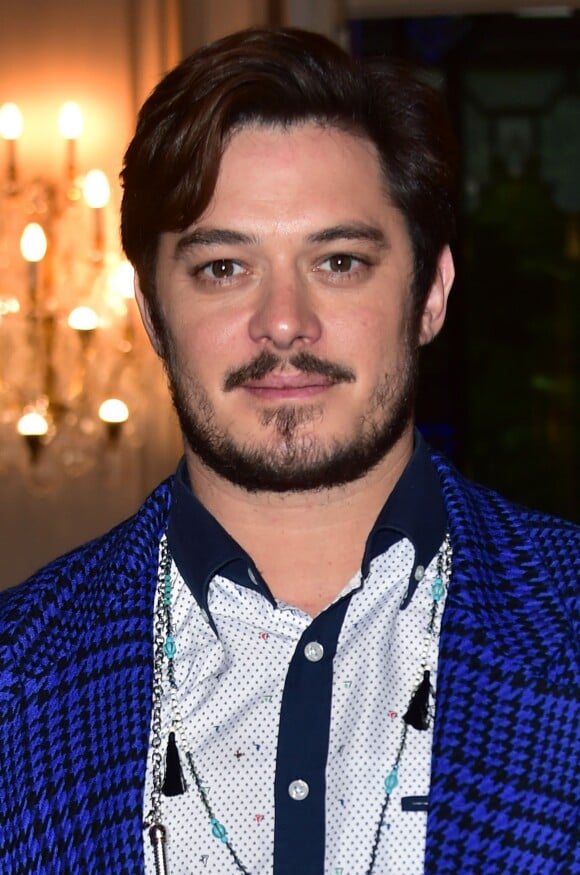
(223, 236)
(350, 231)
(212, 237)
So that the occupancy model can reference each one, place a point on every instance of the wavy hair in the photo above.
(284, 77)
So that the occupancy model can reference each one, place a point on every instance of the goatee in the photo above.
(294, 459)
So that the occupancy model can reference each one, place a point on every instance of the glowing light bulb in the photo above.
(121, 280)
(96, 189)
(70, 120)
(83, 319)
(10, 121)
(32, 424)
(113, 411)
(9, 305)
(33, 243)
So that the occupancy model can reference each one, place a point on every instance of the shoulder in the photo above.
(76, 643)
(515, 574)
(485, 513)
(512, 550)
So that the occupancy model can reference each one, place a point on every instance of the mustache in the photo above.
(306, 362)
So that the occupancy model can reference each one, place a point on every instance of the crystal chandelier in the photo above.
(71, 362)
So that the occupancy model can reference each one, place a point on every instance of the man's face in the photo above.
(286, 312)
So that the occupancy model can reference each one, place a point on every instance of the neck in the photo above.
(307, 545)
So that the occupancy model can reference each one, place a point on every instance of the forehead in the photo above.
(255, 137)
(298, 170)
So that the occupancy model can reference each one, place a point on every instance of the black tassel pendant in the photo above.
(174, 783)
(417, 714)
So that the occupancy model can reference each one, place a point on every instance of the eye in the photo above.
(342, 262)
(221, 268)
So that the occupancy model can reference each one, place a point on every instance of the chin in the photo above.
(294, 462)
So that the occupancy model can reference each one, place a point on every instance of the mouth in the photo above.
(303, 375)
(288, 386)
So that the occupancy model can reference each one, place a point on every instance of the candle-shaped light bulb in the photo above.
(33, 243)
(122, 280)
(70, 120)
(11, 130)
(121, 284)
(10, 121)
(70, 124)
(33, 427)
(113, 413)
(83, 319)
(96, 191)
(113, 410)
(32, 424)
(33, 249)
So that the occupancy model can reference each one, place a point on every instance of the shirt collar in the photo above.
(415, 510)
(202, 548)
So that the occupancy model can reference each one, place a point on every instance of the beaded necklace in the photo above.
(170, 782)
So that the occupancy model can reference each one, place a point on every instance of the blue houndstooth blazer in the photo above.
(75, 690)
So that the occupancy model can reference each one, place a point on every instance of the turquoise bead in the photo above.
(169, 647)
(218, 830)
(391, 782)
(437, 589)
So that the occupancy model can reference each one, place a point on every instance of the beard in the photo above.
(294, 459)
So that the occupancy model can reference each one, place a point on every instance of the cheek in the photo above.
(209, 345)
(369, 333)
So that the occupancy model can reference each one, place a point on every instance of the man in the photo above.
(316, 649)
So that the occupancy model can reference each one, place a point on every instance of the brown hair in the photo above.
(283, 77)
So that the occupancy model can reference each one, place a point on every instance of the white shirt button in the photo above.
(419, 572)
(314, 651)
(298, 790)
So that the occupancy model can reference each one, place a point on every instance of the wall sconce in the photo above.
(64, 287)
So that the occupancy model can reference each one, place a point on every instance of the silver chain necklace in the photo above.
(419, 712)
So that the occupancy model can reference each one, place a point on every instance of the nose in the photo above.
(285, 315)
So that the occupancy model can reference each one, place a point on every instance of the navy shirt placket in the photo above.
(304, 729)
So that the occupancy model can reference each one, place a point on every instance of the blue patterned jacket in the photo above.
(75, 691)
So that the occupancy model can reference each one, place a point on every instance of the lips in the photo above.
(286, 385)
(302, 372)
(289, 381)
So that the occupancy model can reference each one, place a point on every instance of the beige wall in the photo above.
(205, 21)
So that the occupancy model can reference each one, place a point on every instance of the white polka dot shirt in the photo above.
(294, 722)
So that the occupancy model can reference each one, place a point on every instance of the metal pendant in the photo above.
(157, 836)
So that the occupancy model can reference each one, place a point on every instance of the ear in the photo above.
(145, 312)
(435, 306)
